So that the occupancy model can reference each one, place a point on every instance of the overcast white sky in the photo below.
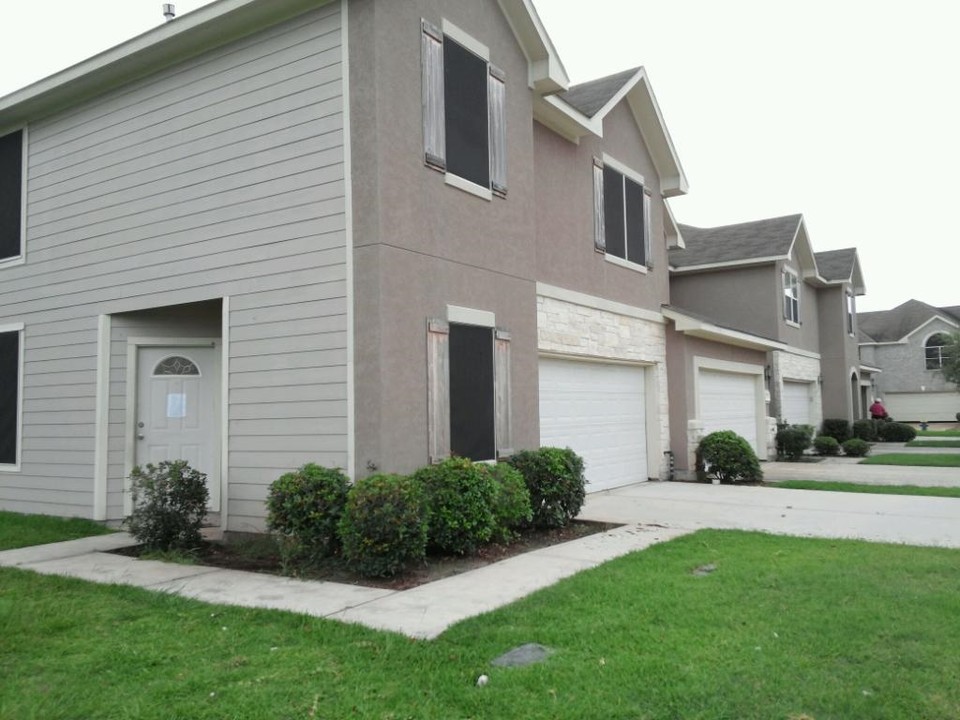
(846, 110)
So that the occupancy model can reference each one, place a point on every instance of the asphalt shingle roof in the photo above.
(731, 243)
(892, 325)
(590, 97)
(836, 264)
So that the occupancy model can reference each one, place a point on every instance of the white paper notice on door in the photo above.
(176, 405)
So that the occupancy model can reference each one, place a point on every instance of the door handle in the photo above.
(140, 436)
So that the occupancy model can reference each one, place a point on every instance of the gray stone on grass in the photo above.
(528, 654)
(704, 570)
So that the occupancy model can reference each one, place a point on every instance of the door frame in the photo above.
(134, 344)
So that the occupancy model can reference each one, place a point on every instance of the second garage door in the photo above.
(728, 401)
(796, 403)
(599, 410)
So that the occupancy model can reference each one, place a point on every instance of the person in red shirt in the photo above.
(878, 411)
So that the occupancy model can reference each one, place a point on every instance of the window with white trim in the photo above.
(851, 313)
(936, 351)
(11, 196)
(791, 296)
(621, 214)
(464, 110)
(10, 370)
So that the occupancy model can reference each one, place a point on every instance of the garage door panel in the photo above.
(923, 407)
(599, 410)
(728, 401)
(796, 403)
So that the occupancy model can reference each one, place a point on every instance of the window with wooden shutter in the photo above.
(501, 363)
(497, 98)
(434, 139)
(622, 214)
(599, 231)
(438, 390)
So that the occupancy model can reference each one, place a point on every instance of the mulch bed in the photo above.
(260, 555)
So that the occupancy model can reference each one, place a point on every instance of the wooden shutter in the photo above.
(496, 107)
(501, 389)
(438, 390)
(599, 237)
(647, 229)
(434, 123)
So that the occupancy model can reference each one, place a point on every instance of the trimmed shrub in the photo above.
(169, 505)
(554, 478)
(304, 509)
(383, 529)
(826, 445)
(793, 440)
(837, 428)
(855, 447)
(729, 457)
(460, 497)
(866, 430)
(895, 432)
(511, 509)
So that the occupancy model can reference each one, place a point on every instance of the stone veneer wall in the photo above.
(585, 331)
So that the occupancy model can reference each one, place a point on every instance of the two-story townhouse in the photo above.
(362, 233)
(759, 332)
(908, 344)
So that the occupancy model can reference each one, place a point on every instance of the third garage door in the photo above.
(599, 410)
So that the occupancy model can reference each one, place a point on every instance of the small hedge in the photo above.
(460, 497)
(384, 528)
(826, 445)
(838, 429)
(895, 432)
(866, 430)
(793, 440)
(511, 510)
(169, 505)
(855, 447)
(554, 478)
(729, 457)
(304, 509)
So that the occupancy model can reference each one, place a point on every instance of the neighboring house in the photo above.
(362, 233)
(907, 343)
(762, 329)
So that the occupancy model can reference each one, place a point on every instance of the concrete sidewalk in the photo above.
(651, 512)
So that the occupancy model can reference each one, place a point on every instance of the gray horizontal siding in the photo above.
(221, 176)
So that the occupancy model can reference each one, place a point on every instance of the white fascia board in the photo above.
(672, 228)
(708, 331)
(196, 32)
(565, 120)
(934, 318)
(878, 344)
(728, 264)
(870, 369)
(546, 73)
(649, 118)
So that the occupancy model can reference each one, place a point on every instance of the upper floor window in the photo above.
(621, 213)
(791, 297)
(464, 111)
(11, 341)
(936, 351)
(11, 196)
(851, 312)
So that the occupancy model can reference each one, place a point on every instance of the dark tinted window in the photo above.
(9, 382)
(11, 173)
(634, 202)
(465, 101)
(471, 392)
(613, 220)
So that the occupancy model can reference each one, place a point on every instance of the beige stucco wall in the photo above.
(840, 355)
(745, 298)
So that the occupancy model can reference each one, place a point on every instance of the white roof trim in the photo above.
(546, 73)
(728, 263)
(920, 327)
(672, 228)
(870, 369)
(701, 328)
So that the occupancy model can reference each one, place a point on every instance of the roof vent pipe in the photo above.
(169, 11)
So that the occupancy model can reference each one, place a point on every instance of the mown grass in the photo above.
(914, 460)
(934, 443)
(924, 490)
(17, 530)
(938, 433)
(784, 628)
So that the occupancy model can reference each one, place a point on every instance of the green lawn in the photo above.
(938, 433)
(785, 628)
(18, 530)
(953, 492)
(914, 460)
(934, 443)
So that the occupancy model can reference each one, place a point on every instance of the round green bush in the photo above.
(826, 445)
(866, 430)
(837, 428)
(555, 480)
(895, 432)
(460, 497)
(304, 509)
(792, 441)
(729, 457)
(169, 505)
(855, 447)
(383, 529)
(511, 510)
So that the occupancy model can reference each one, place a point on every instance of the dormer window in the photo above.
(464, 111)
(791, 297)
(621, 214)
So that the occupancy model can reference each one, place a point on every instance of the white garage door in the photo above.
(599, 410)
(796, 403)
(728, 401)
(923, 407)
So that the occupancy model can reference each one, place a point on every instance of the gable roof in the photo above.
(752, 242)
(840, 266)
(896, 325)
(590, 97)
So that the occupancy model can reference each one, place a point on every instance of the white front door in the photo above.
(177, 415)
